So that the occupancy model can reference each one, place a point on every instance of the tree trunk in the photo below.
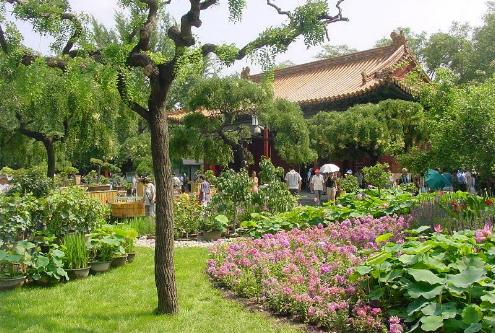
(164, 247)
(50, 152)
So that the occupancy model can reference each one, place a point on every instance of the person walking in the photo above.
(317, 182)
(293, 180)
(149, 198)
(405, 177)
(134, 185)
(204, 191)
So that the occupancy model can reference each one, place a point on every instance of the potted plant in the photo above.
(76, 256)
(48, 268)
(213, 228)
(129, 236)
(102, 252)
(119, 255)
(13, 265)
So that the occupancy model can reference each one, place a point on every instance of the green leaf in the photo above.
(376, 294)
(378, 259)
(416, 305)
(467, 277)
(363, 270)
(490, 298)
(424, 275)
(408, 259)
(431, 323)
(416, 290)
(383, 238)
(419, 230)
(471, 314)
(473, 328)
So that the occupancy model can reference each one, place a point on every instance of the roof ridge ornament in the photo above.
(398, 38)
(246, 73)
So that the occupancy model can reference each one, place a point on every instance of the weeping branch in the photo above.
(134, 106)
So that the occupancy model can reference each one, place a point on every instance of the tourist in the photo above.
(254, 182)
(317, 182)
(461, 180)
(176, 182)
(331, 185)
(293, 180)
(204, 191)
(149, 197)
(134, 185)
(4, 184)
(470, 182)
(308, 178)
(405, 177)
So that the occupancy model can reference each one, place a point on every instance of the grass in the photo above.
(123, 300)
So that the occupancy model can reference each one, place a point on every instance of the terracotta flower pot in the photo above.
(8, 284)
(119, 261)
(100, 267)
(79, 273)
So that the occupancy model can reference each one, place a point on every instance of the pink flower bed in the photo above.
(309, 274)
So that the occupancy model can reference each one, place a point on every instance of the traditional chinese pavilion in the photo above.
(338, 83)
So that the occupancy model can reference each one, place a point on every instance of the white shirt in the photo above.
(293, 178)
(149, 194)
(317, 181)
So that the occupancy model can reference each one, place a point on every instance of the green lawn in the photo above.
(123, 299)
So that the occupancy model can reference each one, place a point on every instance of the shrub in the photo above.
(377, 175)
(71, 210)
(187, 215)
(31, 181)
(349, 184)
(17, 217)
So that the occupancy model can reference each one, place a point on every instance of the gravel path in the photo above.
(145, 242)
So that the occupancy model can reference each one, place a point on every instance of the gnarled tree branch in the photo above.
(278, 9)
(134, 106)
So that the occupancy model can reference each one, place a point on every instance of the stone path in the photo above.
(145, 242)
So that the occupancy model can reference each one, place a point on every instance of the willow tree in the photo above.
(308, 20)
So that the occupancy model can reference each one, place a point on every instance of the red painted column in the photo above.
(266, 143)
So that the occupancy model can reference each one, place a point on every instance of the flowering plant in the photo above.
(308, 273)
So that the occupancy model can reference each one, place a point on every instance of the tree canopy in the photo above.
(368, 130)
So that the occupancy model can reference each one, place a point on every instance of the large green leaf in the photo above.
(468, 277)
(416, 305)
(427, 291)
(473, 328)
(408, 259)
(424, 275)
(471, 314)
(431, 323)
(383, 238)
(446, 311)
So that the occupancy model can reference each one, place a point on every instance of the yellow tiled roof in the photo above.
(341, 77)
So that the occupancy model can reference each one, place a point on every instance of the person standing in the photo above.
(331, 185)
(405, 177)
(149, 198)
(134, 185)
(254, 182)
(293, 180)
(204, 191)
(317, 182)
(177, 184)
(308, 178)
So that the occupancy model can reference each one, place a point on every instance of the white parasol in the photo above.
(329, 168)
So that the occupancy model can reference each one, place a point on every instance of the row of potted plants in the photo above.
(74, 258)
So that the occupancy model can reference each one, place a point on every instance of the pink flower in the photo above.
(438, 228)
(395, 326)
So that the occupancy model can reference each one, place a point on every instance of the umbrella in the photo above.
(435, 180)
(329, 168)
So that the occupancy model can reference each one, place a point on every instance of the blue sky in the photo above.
(370, 20)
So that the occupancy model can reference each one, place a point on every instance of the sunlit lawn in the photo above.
(123, 299)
